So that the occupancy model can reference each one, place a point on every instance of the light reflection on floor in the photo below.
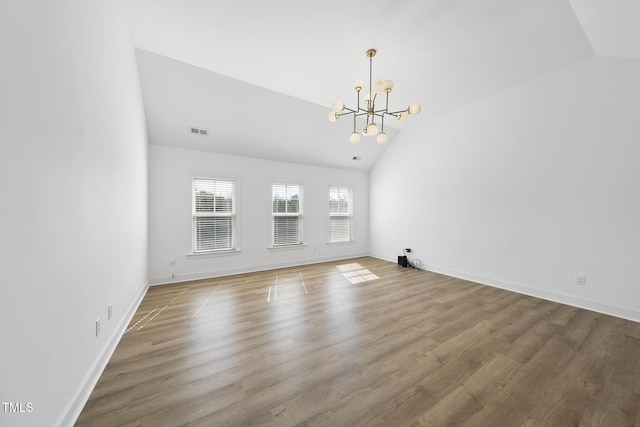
(354, 273)
(291, 283)
(284, 293)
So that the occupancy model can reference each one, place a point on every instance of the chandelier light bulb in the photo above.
(358, 84)
(333, 116)
(378, 86)
(387, 85)
(367, 97)
(414, 109)
(402, 117)
(337, 106)
(354, 138)
(382, 138)
(372, 129)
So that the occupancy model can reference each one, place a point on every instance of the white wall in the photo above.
(171, 171)
(73, 212)
(525, 189)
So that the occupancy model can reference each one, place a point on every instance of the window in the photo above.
(340, 214)
(287, 214)
(214, 214)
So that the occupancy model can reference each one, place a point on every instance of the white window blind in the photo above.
(287, 214)
(214, 209)
(340, 214)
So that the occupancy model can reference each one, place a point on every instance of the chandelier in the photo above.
(369, 108)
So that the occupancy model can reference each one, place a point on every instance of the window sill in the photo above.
(212, 254)
(287, 247)
(346, 242)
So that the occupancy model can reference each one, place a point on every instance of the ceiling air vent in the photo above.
(199, 131)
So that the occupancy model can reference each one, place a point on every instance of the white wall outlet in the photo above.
(98, 326)
(109, 311)
(581, 280)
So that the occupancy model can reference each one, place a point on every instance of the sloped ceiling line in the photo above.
(263, 87)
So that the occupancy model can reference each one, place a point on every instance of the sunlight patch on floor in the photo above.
(289, 284)
(354, 273)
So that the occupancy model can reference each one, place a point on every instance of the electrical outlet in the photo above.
(98, 326)
(580, 280)
(109, 312)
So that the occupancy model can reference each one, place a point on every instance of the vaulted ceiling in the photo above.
(261, 76)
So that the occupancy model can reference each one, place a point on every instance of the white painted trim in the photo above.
(346, 242)
(241, 270)
(288, 247)
(79, 399)
(210, 254)
(562, 298)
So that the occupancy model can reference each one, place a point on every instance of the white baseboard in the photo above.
(77, 402)
(562, 298)
(248, 269)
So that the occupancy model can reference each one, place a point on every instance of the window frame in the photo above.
(215, 183)
(299, 214)
(337, 214)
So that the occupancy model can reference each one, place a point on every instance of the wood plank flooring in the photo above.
(364, 342)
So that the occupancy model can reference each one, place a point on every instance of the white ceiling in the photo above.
(260, 76)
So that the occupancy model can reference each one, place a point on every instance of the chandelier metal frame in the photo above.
(369, 110)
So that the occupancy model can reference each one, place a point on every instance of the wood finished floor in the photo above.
(306, 347)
